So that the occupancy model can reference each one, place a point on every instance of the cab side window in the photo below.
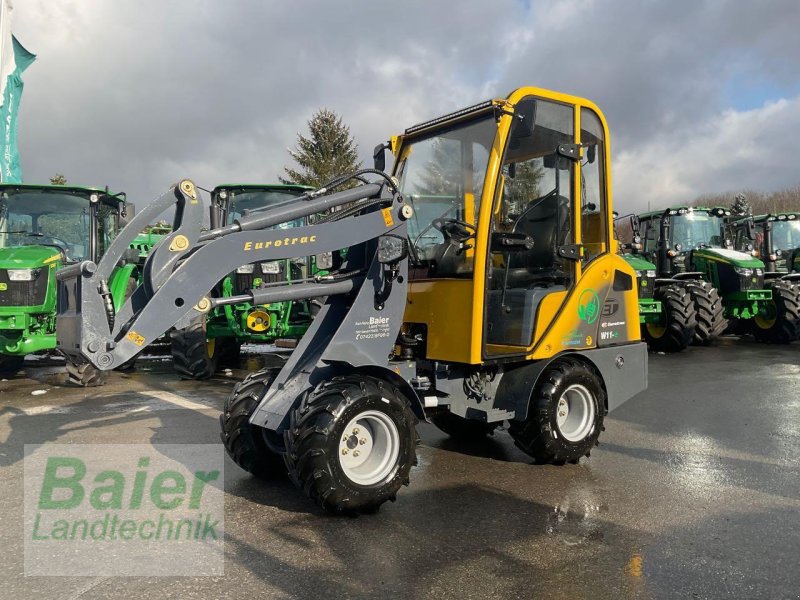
(594, 204)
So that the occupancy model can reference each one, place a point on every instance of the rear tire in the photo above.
(782, 326)
(565, 415)
(194, 355)
(460, 428)
(679, 321)
(11, 363)
(709, 312)
(342, 418)
(244, 442)
(85, 374)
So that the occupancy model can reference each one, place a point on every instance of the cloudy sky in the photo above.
(701, 96)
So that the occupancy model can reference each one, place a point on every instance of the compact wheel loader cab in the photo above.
(481, 285)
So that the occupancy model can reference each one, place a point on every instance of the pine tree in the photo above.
(327, 153)
(58, 179)
(741, 207)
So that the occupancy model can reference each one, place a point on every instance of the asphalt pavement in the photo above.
(694, 492)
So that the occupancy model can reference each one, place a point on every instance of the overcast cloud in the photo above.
(701, 97)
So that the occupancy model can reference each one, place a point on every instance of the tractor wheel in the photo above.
(711, 321)
(85, 374)
(460, 428)
(565, 415)
(781, 324)
(244, 442)
(194, 355)
(678, 323)
(11, 363)
(351, 444)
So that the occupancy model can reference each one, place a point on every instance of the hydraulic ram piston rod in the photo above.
(292, 292)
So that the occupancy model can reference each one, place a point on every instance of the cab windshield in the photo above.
(441, 176)
(786, 235)
(244, 201)
(35, 217)
(696, 229)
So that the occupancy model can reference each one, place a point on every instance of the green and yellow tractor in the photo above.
(43, 228)
(207, 343)
(727, 286)
(775, 238)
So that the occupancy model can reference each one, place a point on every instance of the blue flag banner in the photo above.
(10, 171)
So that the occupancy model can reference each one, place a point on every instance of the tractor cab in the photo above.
(43, 227)
(775, 239)
(511, 209)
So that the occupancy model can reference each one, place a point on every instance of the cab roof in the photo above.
(69, 189)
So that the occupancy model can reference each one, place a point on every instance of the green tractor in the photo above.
(666, 311)
(206, 343)
(42, 228)
(727, 287)
(776, 239)
(148, 238)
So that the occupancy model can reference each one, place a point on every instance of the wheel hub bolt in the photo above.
(362, 441)
(344, 450)
(562, 413)
(356, 430)
(355, 453)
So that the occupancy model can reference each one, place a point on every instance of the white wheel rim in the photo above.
(575, 416)
(369, 447)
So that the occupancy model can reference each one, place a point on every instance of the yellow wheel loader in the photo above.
(481, 285)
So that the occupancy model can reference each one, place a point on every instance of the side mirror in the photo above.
(750, 229)
(591, 153)
(506, 241)
(379, 157)
(512, 170)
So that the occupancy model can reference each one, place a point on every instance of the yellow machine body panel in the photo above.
(449, 330)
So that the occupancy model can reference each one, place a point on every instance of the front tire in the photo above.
(678, 323)
(244, 442)
(709, 312)
(781, 324)
(194, 354)
(565, 415)
(351, 444)
(11, 363)
(85, 374)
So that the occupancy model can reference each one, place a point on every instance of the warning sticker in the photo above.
(387, 216)
(374, 328)
(135, 338)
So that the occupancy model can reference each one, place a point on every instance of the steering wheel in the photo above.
(455, 229)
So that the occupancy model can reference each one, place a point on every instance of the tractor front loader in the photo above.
(470, 292)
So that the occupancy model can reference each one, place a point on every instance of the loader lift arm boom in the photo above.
(186, 264)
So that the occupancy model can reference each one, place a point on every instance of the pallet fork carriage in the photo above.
(481, 284)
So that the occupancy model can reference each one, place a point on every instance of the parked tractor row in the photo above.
(704, 273)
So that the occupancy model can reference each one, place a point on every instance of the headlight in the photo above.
(744, 271)
(651, 273)
(324, 261)
(391, 249)
(759, 272)
(246, 269)
(272, 267)
(21, 274)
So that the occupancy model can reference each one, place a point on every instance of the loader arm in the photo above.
(186, 265)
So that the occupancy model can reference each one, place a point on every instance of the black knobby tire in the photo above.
(317, 428)
(676, 330)
(709, 312)
(11, 363)
(244, 442)
(193, 356)
(539, 434)
(784, 326)
(460, 428)
(85, 374)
